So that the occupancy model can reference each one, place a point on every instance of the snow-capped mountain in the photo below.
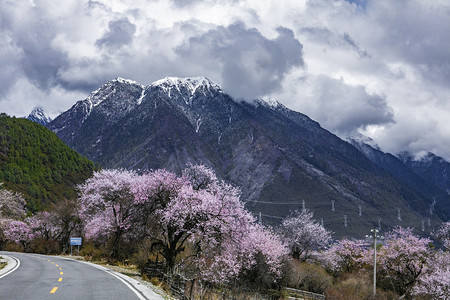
(38, 115)
(278, 157)
(415, 174)
(429, 167)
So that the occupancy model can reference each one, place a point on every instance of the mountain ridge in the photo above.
(275, 155)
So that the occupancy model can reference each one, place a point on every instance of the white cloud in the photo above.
(24, 95)
(372, 65)
(338, 106)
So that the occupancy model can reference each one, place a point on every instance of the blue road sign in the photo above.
(75, 241)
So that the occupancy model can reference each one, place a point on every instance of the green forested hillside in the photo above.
(35, 162)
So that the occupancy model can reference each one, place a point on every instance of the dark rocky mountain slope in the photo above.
(281, 159)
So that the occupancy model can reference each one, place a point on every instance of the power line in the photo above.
(385, 208)
(420, 224)
(327, 203)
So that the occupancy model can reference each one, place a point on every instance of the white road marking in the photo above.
(13, 269)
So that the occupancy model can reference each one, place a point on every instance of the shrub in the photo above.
(259, 275)
(306, 276)
(13, 247)
(43, 246)
(91, 252)
(155, 281)
(143, 255)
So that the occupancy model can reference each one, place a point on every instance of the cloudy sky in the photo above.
(377, 67)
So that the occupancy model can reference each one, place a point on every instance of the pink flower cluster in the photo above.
(344, 256)
(443, 234)
(436, 279)
(19, 232)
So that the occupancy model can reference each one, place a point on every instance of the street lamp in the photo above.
(374, 235)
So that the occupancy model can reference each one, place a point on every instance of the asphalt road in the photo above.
(49, 277)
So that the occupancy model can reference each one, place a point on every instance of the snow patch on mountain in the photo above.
(139, 101)
(270, 103)
(186, 86)
(127, 81)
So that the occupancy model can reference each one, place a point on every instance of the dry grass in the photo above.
(2, 263)
(357, 287)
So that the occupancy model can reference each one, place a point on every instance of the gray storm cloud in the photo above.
(39, 61)
(251, 65)
(416, 32)
(10, 58)
(120, 33)
(343, 108)
(332, 39)
(186, 3)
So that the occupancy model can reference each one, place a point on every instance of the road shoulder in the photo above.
(12, 264)
(141, 289)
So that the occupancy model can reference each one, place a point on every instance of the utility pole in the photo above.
(423, 225)
(432, 204)
(399, 216)
(374, 236)
(303, 206)
(332, 205)
(345, 220)
(260, 219)
(360, 210)
(321, 221)
(379, 223)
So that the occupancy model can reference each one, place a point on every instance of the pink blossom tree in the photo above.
(42, 225)
(402, 259)
(19, 232)
(57, 225)
(345, 256)
(303, 234)
(12, 205)
(153, 191)
(66, 222)
(106, 207)
(201, 210)
(435, 281)
(228, 240)
(241, 240)
(200, 177)
(443, 234)
(268, 254)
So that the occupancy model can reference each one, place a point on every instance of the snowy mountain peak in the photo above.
(363, 139)
(39, 116)
(127, 81)
(110, 88)
(189, 84)
(270, 103)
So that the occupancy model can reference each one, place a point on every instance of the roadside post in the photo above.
(75, 241)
